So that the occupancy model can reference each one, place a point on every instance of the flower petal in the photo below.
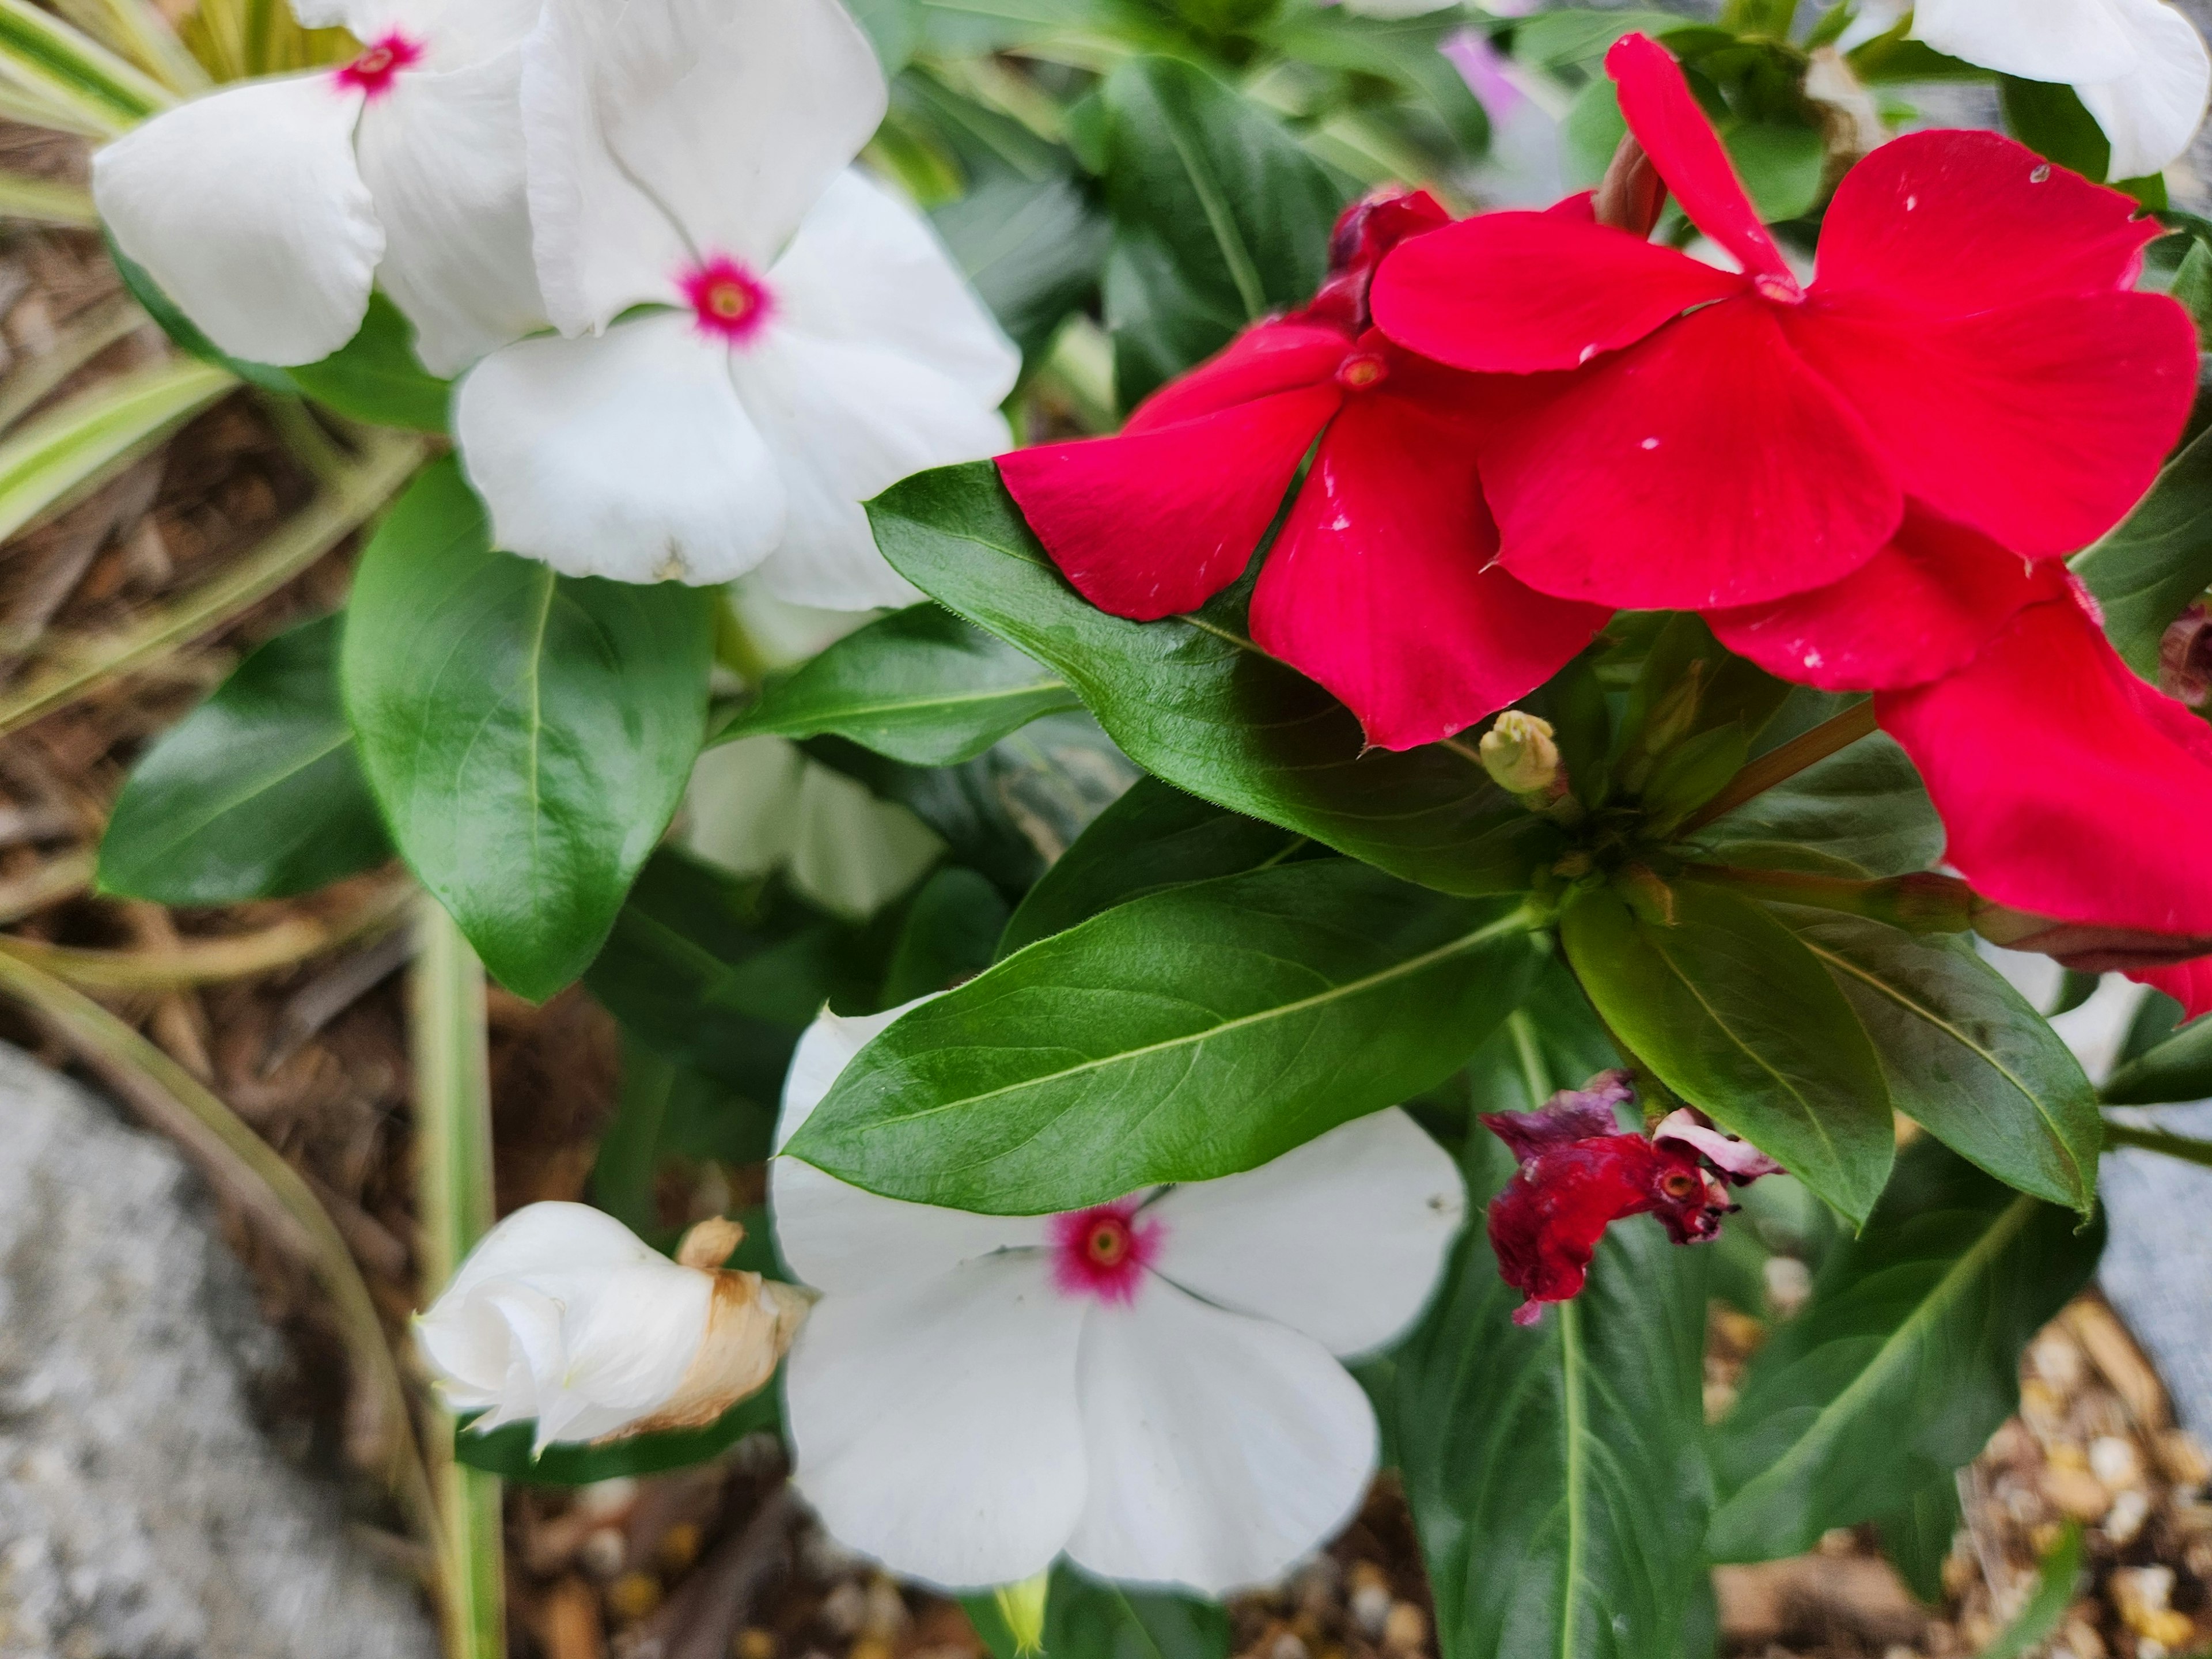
(1261, 362)
(878, 363)
(2040, 425)
(1379, 586)
(825, 1049)
(665, 130)
(1259, 1242)
(1222, 1448)
(1589, 1113)
(936, 1426)
(1156, 522)
(550, 1238)
(628, 455)
(1679, 138)
(1704, 466)
(1923, 606)
(2068, 787)
(2152, 112)
(1468, 295)
(1959, 222)
(247, 207)
(2058, 40)
(2189, 983)
(442, 155)
(452, 33)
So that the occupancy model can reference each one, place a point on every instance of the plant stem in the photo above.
(1921, 902)
(1778, 765)
(452, 1140)
(2184, 1147)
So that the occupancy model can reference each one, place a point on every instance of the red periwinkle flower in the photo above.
(1379, 585)
(1581, 1172)
(1735, 437)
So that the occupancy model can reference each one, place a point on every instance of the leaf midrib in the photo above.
(866, 710)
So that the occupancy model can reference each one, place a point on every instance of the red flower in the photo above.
(1736, 437)
(1581, 1172)
(1376, 584)
(2073, 791)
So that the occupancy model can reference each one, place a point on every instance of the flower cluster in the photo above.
(691, 339)
(1865, 481)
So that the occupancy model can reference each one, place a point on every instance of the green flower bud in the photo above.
(1520, 755)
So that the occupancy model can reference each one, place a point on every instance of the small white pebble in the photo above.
(1370, 1608)
(2129, 1512)
(844, 1609)
(603, 1552)
(1789, 1282)
(1288, 1646)
(2113, 1461)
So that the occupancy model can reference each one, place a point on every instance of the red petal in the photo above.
(1515, 293)
(1376, 586)
(2068, 787)
(1676, 135)
(2189, 983)
(1702, 467)
(2040, 425)
(1270, 358)
(1920, 608)
(1957, 223)
(1157, 522)
(1547, 1223)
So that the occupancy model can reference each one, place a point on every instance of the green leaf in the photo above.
(528, 735)
(1401, 50)
(1219, 217)
(1917, 1537)
(1572, 36)
(1736, 1015)
(1154, 838)
(2053, 121)
(955, 921)
(920, 686)
(2038, 1622)
(1556, 1475)
(506, 1451)
(1965, 1056)
(2179, 1068)
(1032, 247)
(1086, 1618)
(52, 460)
(1904, 1363)
(1864, 805)
(375, 376)
(1192, 1034)
(257, 794)
(1781, 166)
(2147, 569)
(70, 71)
(1194, 701)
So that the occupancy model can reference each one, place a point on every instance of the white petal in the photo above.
(453, 32)
(1221, 1448)
(727, 116)
(2151, 114)
(624, 455)
(248, 209)
(550, 1237)
(2060, 41)
(1263, 1243)
(442, 155)
(851, 852)
(741, 811)
(935, 1424)
(826, 1048)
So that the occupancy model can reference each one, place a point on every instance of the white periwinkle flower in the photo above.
(268, 211)
(562, 1314)
(816, 344)
(1151, 1387)
(2139, 67)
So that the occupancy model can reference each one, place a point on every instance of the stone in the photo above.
(144, 1511)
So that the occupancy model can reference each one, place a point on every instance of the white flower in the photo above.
(1150, 1387)
(268, 211)
(562, 1314)
(2139, 67)
(691, 154)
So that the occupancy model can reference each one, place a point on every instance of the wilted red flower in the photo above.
(1377, 585)
(1581, 1172)
(1736, 436)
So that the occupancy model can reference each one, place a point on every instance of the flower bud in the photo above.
(2184, 657)
(1631, 194)
(562, 1314)
(2085, 947)
(1520, 755)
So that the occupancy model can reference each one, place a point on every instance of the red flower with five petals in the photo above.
(1732, 437)
(1378, 584)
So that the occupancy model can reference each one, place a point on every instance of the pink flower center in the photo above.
(372, 71)
(1103, 1252)
(731, 303)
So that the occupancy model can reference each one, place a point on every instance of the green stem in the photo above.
(2158, 1141)
(1779, 765)
(453, 1137)
(1535, 1075)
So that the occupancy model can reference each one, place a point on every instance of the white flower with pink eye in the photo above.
(1151, 1387)
(268, 211)
(811, 343)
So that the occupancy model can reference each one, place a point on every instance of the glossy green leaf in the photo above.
(920, 686)
(1403, 51)
(1781, 166)
(1192, 1034)
(2178, 1068)
(53, 458)
(1917, 1537)
(1742, 1020)
(1086, 1618)
(257, 794)
(528, 735)
(2051, 120)
(951, 929)
(1155, 836)
(1194, 701)
(1219, 217)
(1904, 1364)
(2147, 569)
(1557, 1474)
(1965, 1055)
(375, 376)
(1864, 806)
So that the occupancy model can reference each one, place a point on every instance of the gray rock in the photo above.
(143, 1513)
